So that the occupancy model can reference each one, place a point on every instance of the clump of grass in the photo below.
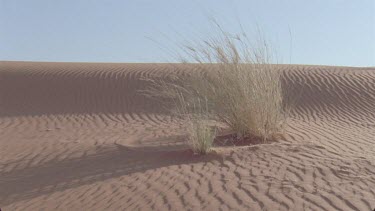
(201, 136)
(237, 83)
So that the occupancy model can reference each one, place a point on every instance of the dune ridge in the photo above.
(79, 136)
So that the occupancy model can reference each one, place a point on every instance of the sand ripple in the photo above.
(80, 136)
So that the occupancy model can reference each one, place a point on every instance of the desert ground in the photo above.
(81, 136)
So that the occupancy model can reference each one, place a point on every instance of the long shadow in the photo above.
(108, 162)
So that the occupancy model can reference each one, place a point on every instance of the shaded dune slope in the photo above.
(81, 136)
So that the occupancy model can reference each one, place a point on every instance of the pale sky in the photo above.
(324, 32)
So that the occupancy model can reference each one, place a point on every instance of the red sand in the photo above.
(79, 136)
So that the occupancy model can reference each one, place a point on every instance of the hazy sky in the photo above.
(331, 32)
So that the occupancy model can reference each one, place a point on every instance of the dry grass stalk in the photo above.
(237, 86)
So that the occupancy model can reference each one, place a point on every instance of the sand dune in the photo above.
(80, 136)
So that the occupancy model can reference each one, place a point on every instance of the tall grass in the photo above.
(236, 85)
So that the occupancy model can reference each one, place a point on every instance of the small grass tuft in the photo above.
(201, 136)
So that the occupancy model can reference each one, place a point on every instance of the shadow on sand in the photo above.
(107, 162)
